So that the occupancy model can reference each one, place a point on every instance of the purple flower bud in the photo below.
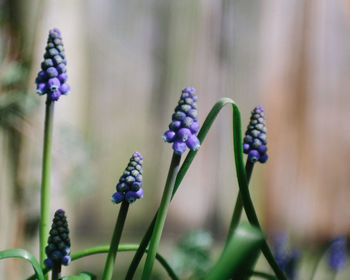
(139, 193)
(53, 84)
(169, 136)
(64, 88)
(136, 186)
(194, 127)
(66, 260)
(55, 95)
(117, 197)
(187, 122)
(175, 125)
(193, 143)
(246, 147)
(253, 156)
(179, 115)
(62, 77)
(61, 68)
(51, 72)
(122, 186)
(179, 147)
(48, 262)
(41, 88)
(183, 134)
(263, 158)
(131, 196)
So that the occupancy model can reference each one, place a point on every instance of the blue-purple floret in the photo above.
(286, 258)
(58, 248)
(184, 126)
(129, 185)
(254, 142)
(337, 255)
(52, 79)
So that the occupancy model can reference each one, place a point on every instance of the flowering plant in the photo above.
(244, 242)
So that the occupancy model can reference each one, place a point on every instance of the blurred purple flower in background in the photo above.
(337, 255)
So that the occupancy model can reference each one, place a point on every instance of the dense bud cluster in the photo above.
(254, 142)
(51, 80)
(58, 248)
(129, 185)
(337, 255)
(184, 126)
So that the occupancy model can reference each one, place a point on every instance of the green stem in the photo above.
(263, 275)
(318, 260)
(112, 253)
(160, 220)
(56, 271)
(121, 248)
(243, 187)
(237, 212)
(45, 181)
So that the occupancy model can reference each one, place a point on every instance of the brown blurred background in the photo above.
(127, 63)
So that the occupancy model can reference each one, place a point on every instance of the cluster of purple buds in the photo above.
(286, 258)
(58, 248)
(51, 80)
(184, 126)
(337, 255)
(129, 185)
(254, 142)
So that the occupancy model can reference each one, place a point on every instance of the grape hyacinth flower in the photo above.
(51, 80)
(286, 258)
(129, 185)
(254, 142)
(58, 248)
(337, 255)
(184, 126)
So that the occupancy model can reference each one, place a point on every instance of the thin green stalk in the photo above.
(263, 275)
(56, 271)
(160, 221)
(46, 179)
(121, 248)
(237, 212)
(319, 257)
(112, 253)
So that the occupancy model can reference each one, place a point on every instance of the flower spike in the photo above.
(129, 185)
(184, 126)
(337, 255)
(58, 248)
(51, 80)
(254, 142)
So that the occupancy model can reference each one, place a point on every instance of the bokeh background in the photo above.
(127, 64)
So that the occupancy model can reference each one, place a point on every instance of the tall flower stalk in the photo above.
(128, 190)
(51, 80)
(254, 145)
(182, 133)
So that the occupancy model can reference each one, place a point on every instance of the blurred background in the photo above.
(127, 64)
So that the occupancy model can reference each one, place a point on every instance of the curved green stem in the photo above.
(23, 254)
(160, 220)
(318, 260)
(112, 253)
(121, 248)
(45, 179)
(237, 212)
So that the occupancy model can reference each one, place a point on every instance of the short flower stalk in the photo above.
(128, 191)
